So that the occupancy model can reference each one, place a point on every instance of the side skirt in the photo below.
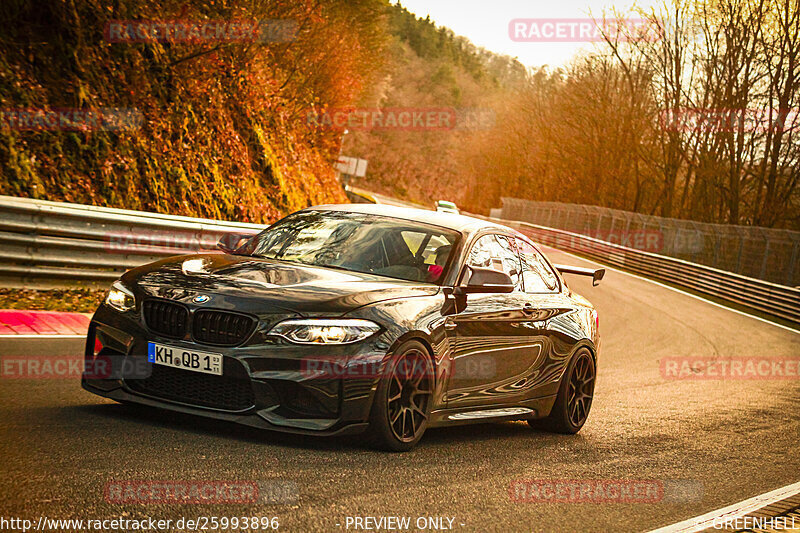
(524, 410)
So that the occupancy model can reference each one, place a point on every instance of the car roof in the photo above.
(461, 223)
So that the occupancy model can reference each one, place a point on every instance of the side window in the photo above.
(536, 273)
(499, 253)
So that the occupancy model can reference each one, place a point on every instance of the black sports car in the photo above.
(341, 319)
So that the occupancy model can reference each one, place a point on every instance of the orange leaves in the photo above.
(211, 110)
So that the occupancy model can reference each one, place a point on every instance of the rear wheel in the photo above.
(574, 399)
(403, 399)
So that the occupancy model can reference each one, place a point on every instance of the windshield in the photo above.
(356, 242)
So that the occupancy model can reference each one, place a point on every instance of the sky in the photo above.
(486, 23)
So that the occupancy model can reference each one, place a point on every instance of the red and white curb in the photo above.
(42, 324)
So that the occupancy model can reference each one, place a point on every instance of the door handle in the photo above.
(450, 325)
(528, 309)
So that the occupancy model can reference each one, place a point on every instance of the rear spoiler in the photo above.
(596, 273)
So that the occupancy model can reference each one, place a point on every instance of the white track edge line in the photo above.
(737, 510)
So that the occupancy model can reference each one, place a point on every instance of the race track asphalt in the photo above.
(708, 443)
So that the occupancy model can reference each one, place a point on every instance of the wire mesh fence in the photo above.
(762, 253)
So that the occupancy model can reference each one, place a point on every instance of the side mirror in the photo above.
(230, 242)
(487, 280)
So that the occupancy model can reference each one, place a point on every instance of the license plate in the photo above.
(205, 362)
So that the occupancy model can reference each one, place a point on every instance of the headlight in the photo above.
(319, 331)
(120, 298)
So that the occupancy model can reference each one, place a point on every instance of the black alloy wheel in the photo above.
(580, 390)
(403, 400)
(574, 399)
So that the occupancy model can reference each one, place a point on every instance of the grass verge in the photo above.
(72, 300)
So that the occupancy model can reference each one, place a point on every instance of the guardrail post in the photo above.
(764, 261)
(739, 255)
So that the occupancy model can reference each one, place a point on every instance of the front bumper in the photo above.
(270, 384)
(246, 419)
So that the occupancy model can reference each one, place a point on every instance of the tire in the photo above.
(574, 399)
(402, 404)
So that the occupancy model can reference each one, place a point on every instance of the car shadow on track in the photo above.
(198, 425)
(485, 433)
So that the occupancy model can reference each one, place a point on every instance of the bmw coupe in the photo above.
(354, 318)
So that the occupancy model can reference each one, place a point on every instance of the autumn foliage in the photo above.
(221, 134)
(699, 123)
(698, 120)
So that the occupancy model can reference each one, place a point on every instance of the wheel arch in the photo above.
(412, 335)
(589, 345)
(424, 339)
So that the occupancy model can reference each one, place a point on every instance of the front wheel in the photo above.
(403, 399)
(574, 399)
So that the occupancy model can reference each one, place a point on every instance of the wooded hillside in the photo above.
(220, 133)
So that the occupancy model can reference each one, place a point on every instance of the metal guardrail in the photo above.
(51, 244)
(770, 298)
(763, 253)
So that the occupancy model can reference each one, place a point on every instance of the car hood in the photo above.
(256, 285)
